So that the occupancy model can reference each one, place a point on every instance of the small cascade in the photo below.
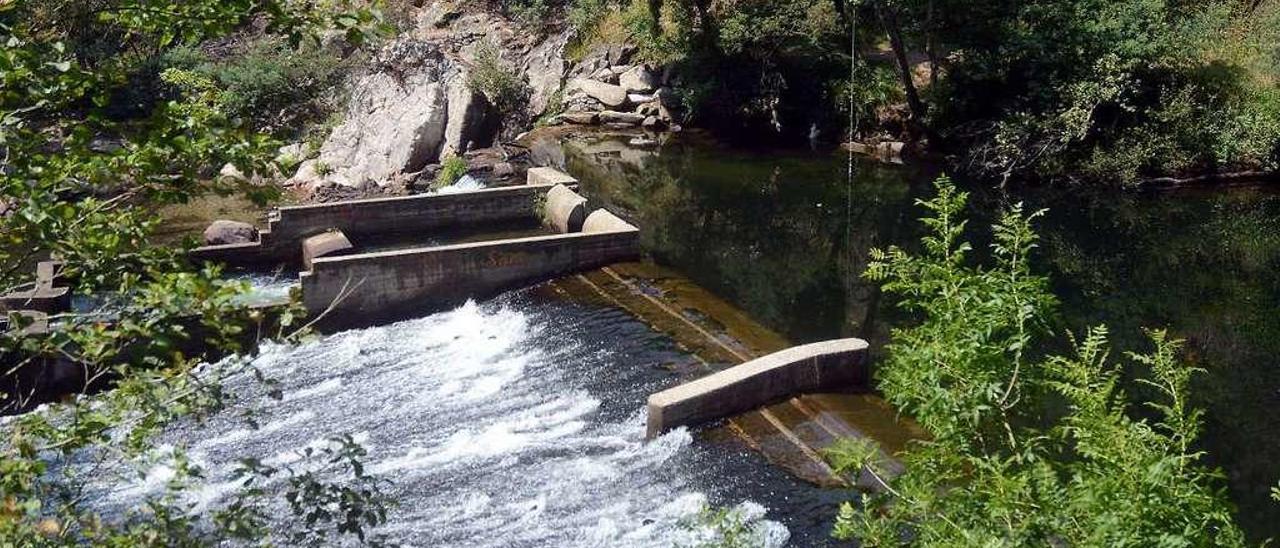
(466, 183)
(518, 422)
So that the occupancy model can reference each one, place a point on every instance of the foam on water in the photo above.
(515, 424)
(466, 183)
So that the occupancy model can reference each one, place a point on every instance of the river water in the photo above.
(785, 235)
(515, 422)
(519, 421)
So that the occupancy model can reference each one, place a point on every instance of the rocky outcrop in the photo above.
(392, 126)
(545, 69)
(415, 106)
(639, 79)
(223, 231)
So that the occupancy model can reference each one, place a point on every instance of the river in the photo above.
(519, 421)
(785, 235)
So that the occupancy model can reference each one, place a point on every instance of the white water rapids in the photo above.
(514, 423)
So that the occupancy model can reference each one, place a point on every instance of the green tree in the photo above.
(85, 165)
(1024, 450)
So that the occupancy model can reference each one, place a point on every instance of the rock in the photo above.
(545, 68)
(640, 98)
(638, 80)
(619, 69)
(580, 118)
(230, 171)
(619, 125)
(605, 75)
(642, 142)
(502, 170)
(393, 125)
(223, 231)
(653, 122)
(608, 94)
(611, 116)
(648, 109)
(466, 122)
(307, 175)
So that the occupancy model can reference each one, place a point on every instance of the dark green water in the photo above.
(785, 235)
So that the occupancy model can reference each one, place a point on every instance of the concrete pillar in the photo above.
(601, 220)
(564, 209)
(323, 244)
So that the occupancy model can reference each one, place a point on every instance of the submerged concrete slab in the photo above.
(812, 367)
(549, 176)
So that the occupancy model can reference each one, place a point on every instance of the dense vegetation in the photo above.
(106, 114)
(1025, 449)
(1096, 90)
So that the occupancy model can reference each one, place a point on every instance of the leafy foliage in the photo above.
(86, 164)
(502, 85)
(1025, 450)
(452, 169)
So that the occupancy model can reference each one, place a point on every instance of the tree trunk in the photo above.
(889, 19)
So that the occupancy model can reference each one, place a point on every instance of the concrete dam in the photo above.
(369, 260)
(366, 262)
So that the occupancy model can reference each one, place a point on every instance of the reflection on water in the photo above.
(785, 236)
(513, 423)
(780, 235)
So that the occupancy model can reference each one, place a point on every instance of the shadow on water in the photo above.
(785, 236)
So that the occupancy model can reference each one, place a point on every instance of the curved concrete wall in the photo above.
(389, 284)
(565, 209)
(837, 363)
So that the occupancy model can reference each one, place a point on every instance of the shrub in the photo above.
(276, 86)
(1024, 450)
(452, 169)
(500, 84)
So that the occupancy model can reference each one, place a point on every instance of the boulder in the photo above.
(648, 109)
(653, 122)
(502, 170)
(308, 174)
(611, 116)
(223, 231)
(465, 123)
(393, 125)
(640, 79)
(605, 75)
(545, 68)
(608, 94)
(580, 118)
(640, 98)
(230, 172)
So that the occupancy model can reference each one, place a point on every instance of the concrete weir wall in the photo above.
(380, 284)
(288, 226)
(837, 363)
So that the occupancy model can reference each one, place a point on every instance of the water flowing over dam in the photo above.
(517, 422)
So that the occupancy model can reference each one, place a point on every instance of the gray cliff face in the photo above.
(416, 107)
